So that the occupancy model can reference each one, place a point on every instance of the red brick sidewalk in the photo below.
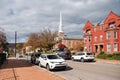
(18, 69)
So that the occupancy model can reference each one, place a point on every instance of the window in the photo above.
(89, 38)
(101, 27)
(88, 31)
(112, 24)
(85, 39)
(115, 47)
(95, 38)
(101, 37)
(69, 43)
(95, 29)
(115, 34)
(108, 47)
(108, 35)
(90, 49)
(43, 56)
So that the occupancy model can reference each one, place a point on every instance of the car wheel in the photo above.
(31, 61)
(72, 58)
(48, 67)
(82, 59)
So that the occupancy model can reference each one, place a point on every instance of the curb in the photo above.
(108, 61)
(49, 72)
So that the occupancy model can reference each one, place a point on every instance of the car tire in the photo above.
(48, 67)
(82, 60)
(73, 59)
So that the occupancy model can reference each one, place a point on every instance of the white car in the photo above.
(52, 61)
(83, 56)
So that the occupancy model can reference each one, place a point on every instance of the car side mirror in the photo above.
(45, 58)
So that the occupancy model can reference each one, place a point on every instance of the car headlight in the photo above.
(53, 62)
(64, 62)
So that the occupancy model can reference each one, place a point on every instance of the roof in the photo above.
(12, 45)
(74, 38)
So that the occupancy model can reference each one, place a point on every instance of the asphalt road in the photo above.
(90, 71)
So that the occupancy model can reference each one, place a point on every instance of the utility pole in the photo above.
(15, 41)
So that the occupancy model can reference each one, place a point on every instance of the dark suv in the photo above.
(65, 55)
(35, 57)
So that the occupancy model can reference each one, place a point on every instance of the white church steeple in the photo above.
(60, 31)
(60, 24)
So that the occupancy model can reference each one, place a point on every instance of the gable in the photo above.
(88, 25)
(111, 17)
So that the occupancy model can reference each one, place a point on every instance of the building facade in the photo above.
(72, 43)
(104, 36)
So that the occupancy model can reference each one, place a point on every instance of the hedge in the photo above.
(114, 56)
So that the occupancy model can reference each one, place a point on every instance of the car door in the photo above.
(78, 56)
(43, 60)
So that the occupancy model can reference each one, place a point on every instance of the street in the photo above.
(90, 71)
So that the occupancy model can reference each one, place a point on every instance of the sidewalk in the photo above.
(108, 61)
(19, 69)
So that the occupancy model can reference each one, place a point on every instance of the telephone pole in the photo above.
(15, 41)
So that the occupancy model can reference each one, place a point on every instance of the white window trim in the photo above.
(115, 49)
(101, 27)
(108, 47)
(107, 35)
(101, 37)
(116, 35)
(95, 38)
(94, 29)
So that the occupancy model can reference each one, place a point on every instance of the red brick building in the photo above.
(105, 36)
(72, 43)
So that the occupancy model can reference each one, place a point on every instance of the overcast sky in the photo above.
(28, 16)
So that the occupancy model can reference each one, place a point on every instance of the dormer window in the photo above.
(88, 31)
(112, 24)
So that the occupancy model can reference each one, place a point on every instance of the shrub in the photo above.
(102, 56)
(102, 52)
(2, 58)
(109, 56)
(114, 56)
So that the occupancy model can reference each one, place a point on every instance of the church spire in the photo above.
(60, 31)
(60, 24)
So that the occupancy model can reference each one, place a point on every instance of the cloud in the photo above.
(27, 16)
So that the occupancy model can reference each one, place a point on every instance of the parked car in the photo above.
(52, 61)
(19, 55)
(64, 55)
(35, 57)
(83, 56)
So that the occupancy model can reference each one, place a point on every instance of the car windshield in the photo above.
(89, 53)
(35, 55)
(53, 57)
